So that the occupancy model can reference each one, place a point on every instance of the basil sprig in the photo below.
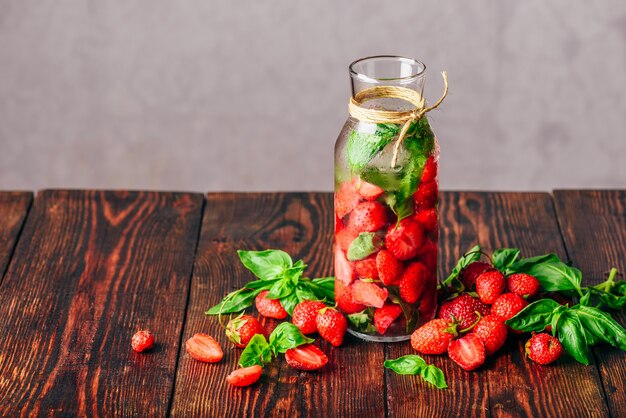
(473, 254)
(415, 365)
(284, 337)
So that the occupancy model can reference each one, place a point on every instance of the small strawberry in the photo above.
(468, 352)
(368, 191)
(428, 254)
(245, 376)
(331, 325)
(412, 282)
(269, 308)
(428, 302)
(142, 341)
(524, 285)
(367, 268)
(426, 195)
(304, 314)
(344, 269)
(367, 217)
(428, 219)
(405, 239)
(204, 348)
(345, 300)
(463, 310)
(241, 329)
(543, 348)
(346, 199)
(430, 170)
(388, 266)
(470, 273)
(369, 294)
(492, 332)
(508, 305)
(306, 357)
(433, 337)
(490, 285)
(384, 317)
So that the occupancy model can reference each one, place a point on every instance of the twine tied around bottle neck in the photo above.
(404, 118)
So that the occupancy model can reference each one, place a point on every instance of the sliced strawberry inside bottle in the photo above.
(389, 267)
(369, 294)
(385, 316)
(344, 238)
(344, 299)
(426, 195)
(367, 217)
(430, 170)
(428, 255)
(368, 191)
(344, 270)
(405, 239)
(306, 357)
(428, 219)
(346, 199)
(413, 282)
(366, 268)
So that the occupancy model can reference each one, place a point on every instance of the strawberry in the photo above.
(241, 329)
(338, 224)
(426, 195)
(367, 217)
(270, 308)
(490, 285)
(369, 294)
(508, 305)
(142, 341)
(433, 337)
(428, 254)
(368, 191)
(428, 302)
(344, 269)
(524, 285)
(388, 266)
(331, 325)
(204, 348)
(345, 300)
(346, 199)
(344, 238)
(492, 332)
(367, 267)
(462, 310)
(428, 219)
(430, 170)
(405, 239)
(470, 273)
(306, 357)
(468, 352)
(245, 376)
(304, 314)
(384, 317)
(412, 282)
(543, 348)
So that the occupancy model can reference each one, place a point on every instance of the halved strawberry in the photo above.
(426, 195)
(366, 268)
(405, 240)
(344, 238)
(368, 191)
(369, 294)
(388, 266)
(344, 299)
(306, 357)
(428, 219)
(468, 352)
(344, 270)
(367, 217)
(413, 281)
(245, 376)
(346, 199)
(203, 347)
(384, 317)
(430, 170)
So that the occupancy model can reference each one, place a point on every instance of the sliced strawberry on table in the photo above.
(306, 357)
(428, 219)
(345, 300)
(369, 294)
(304, 315)
(344, 269)
(331, 325)
(203, 347)
(367, 268)
(368, 191)
(405, 239)
(346, 199)
(433, 337)
(269, 308)
(430, 170)
(413, 282)
(245, 376)
(388, 266)
(367, 217)
(426, 195)
(384, 317)
(468, 352)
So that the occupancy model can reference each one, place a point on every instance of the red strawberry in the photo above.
(430, 170)
(508, 305)
(468, 352)
(367, 217)
(338, 224)
(433, 337)
(344, 238)
(331, 325)
(368, 191)
(428, 254)
(490, 285)
(245, 377)
(470, 273)
(492, 332)
(204, 348)
(241, 329)
(369, 294)
(270, 308)
(428, 302)
(346, 199)
(428, 219)
(412, 282)
(306, 357)
(384, 317)
(367, 268)
(426, 195)
(142, 341)
(543, 348)
(524, 285)
(405, 239)
(388, 266)
(462, 310)
(304, 314)
(344, 270)
(344, 299)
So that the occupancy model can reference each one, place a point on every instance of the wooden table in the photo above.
(83, 270)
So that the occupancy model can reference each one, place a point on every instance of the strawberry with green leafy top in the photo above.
(241, 329)
(433, 337)
(464, 310)
(543, 348)
(470, 273)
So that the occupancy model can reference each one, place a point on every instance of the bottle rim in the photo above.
(418, 68)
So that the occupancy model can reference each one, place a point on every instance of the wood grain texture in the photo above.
(594, 230)
(90, 269)
(13, 210)
(301, 224)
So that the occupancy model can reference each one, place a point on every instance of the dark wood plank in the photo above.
(594, 230)
(90, 269)
(301, 224)
(13, 210)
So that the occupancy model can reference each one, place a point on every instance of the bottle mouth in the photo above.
(385, 68)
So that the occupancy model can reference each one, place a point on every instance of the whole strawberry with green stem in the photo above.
(433, 337)
(241, 329)
(543, 348)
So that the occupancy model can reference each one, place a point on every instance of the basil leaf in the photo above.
(363, 146)
(534, 317)
(285, 336)
(525, 264)
(434, 375)
(281, 289)
(504, 258)
(366, 244)
(266, 265)
(468, 258)
(324, 288)
(256, 352)
(289, 302)
(572, 335)
(303, 292)
(362, 322)
(294, 273)
(601, 326)
(235, 302)
(556, 276)
(409, 364)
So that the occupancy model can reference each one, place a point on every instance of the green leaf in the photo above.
(415, 365)
(556, 276)
(572, 335)
(285, 336)
(362, 322)
(468, 258)
(266, 265)
(434, 375)
(534, 317)
(304, 292)
(601, 326)
(289, 302)
(282, 288)
(525, 264)
(256, 352)
(504, 258)
(363, 146)
(366, 244)
(324, 288)
(236, 301)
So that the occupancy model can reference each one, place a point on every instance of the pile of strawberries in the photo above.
(469, 328)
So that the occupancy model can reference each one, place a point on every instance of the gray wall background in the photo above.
(250, 95)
